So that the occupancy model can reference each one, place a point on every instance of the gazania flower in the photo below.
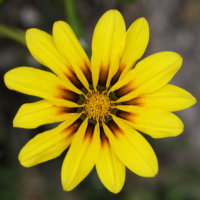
(101, 103)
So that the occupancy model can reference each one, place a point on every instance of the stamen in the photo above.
(98, 105)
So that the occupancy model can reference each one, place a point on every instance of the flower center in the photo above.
(98, 105)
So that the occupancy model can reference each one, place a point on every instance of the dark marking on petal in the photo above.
(89, 132)
(126, 115)
(135, 102)
(103, 75)
(72, 129)
(68, 95)
(65, 110)
(104, 139)
(74, 79)
(124, 90)
(114, 128)
(87, 72)
(117, 75)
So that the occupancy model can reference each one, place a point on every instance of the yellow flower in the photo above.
(102, 103)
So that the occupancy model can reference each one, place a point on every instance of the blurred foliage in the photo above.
(1, 1)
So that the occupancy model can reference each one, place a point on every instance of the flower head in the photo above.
(101, 103)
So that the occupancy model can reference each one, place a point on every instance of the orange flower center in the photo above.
(98, 105)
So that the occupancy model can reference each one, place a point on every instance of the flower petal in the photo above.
(72, 51)
(81, 156)
(153, 121)
(149, 75)
(43, 49)
(137, 38)
(107, 47)
(131, 148)
(49, 144)
(110, 169)
(169, 97)
(32, 115)
(43, 84)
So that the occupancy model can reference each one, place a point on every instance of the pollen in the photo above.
(98, 105)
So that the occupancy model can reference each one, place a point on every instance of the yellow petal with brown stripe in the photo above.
(32, 115)
(44, 50)
(81, 156)
(153, 121)
(72, 51)
(131, 148)
(43, 84)
(169, 97)
(107, 47)
(149, 75)
(110, 169)
(137, 38)
(49, 144)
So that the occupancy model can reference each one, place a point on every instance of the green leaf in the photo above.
(1, 1)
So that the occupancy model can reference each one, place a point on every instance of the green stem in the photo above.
(73, 17)
(12, 33)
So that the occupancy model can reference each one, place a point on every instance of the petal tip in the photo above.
(114, 191)
(143, 20)
(5, 76)
(66, 187)
(31, 35)
(178, 56)
(112, 12)
(193, 101)
(31, 31)
(23, 163)
(145, 24)
(154, 171)
(58, 22)
(114, 188)
(7, 80)
(16, 123)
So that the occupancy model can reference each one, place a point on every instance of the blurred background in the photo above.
(174, 26)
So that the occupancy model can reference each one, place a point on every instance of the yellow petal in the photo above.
(131, 148)
(107, 47)
(153, 121)
(137, 38)
(169, 97)
(32, 115)
(43, 49)
(110, 169)
(81, 156)
(72, 51)
(49, 144)
(43, 84)
(149, 75)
